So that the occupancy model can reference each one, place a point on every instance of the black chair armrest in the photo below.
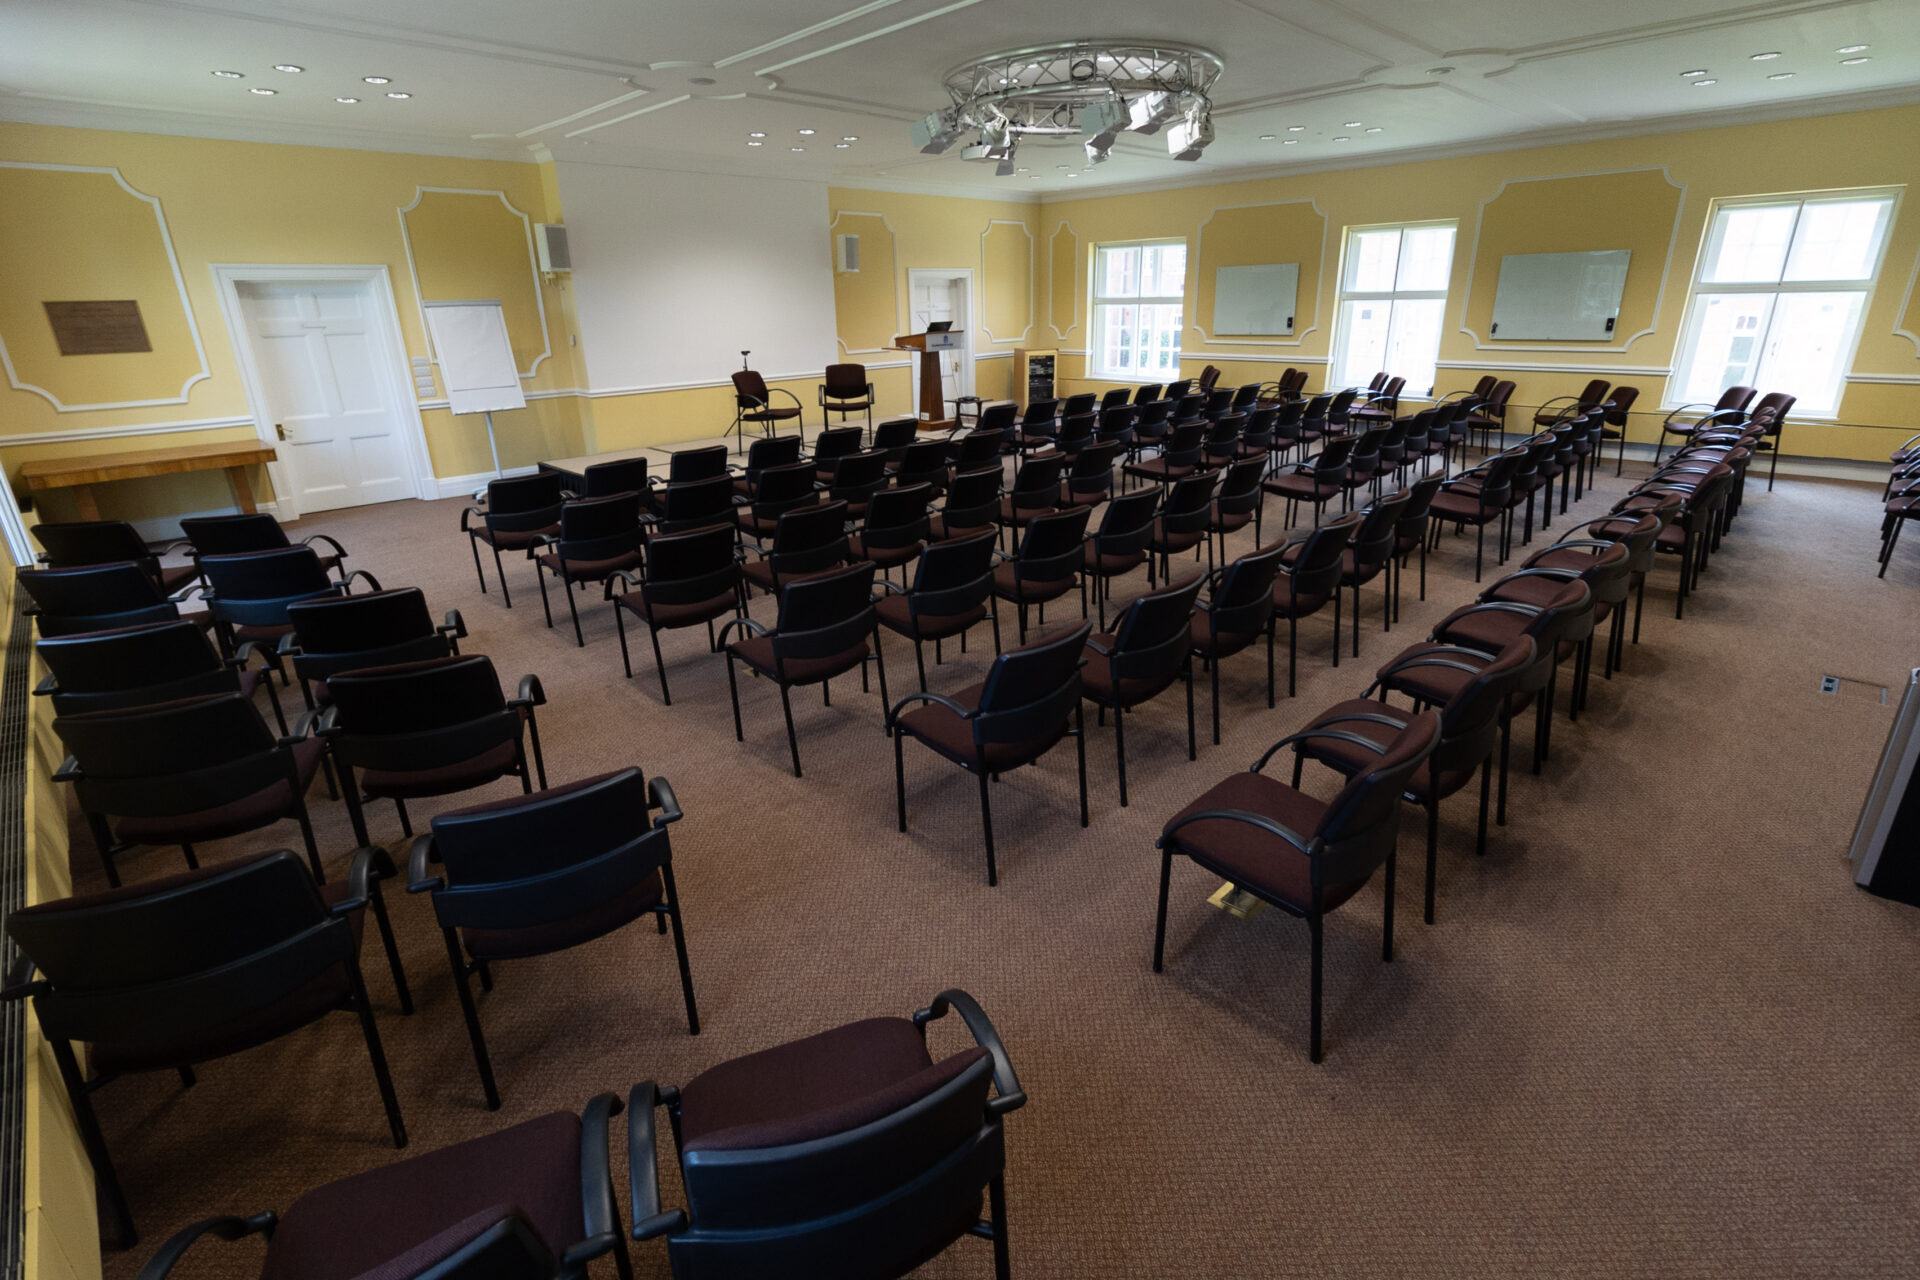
(886, 587)
(304, 727)
(1570, 543)
(288, 645)
(1011, 1097)
(1305, 735)
(660, 796)
(600, 1217)
(568, 495)
(46, 686)
(643, 1168)
(455, 626)
(1266, 824)
(248, 648)
(419, 853)
(964, 712)
(69, 771)
(186, 593)
(359, 876)
(466, 517)
(347, 581)
(531, 693)
(160, 1265)
(745, 624)
(540, 540)
(1558, 575)
(1099, 648)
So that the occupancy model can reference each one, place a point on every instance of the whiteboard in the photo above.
(476, 357)
(1256, 299)
(1560, 295)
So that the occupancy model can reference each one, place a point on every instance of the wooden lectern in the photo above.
(933, 397)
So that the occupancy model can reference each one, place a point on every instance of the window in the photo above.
(1139, 296)
(1393, 289)
(1778, 297)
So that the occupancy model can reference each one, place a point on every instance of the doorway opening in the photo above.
(944, 293)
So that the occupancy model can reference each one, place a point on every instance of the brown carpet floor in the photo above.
(1655, 1031)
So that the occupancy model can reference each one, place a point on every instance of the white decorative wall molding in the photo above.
(1887, 379)
(993, 355)
(1590, 370)
(1199, 250)
(179, 284)
(114, 433)
(991, 224)
(561, 393)
(894, 284)
(1078, 259)
(468, 485)
(533, 266)
(1666, 267)
(1906, 306)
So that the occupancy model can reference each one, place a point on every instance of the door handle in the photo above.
(280, 430)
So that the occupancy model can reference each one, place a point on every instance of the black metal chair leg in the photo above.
(793, 741)
(384, 1077)
(986, 826)
(680, 948)
(472, 1015)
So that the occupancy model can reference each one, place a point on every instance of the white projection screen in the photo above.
(675, 273)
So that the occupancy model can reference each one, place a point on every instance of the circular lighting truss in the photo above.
(1093, 89)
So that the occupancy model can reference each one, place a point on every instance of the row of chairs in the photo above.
(1900, 500)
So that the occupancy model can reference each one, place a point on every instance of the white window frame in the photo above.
(1096, 346)
(1683, 350)
(1341, 331)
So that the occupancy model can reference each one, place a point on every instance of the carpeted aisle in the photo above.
(1655, 1031)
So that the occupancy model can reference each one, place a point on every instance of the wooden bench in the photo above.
(81, 474)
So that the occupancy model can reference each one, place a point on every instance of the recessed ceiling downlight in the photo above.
(1701, 84)
(1852, 48)
(400, 96)
(1853, 62)
(1763, 57)
(805, 133)
(1697, 72)
(1781, 75)
(288, 67)
(348, 101)
(377, 79)
(231, 75)
(1374, 129)
(265, 93)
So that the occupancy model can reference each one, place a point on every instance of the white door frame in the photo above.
(966, 334)
(227, 279)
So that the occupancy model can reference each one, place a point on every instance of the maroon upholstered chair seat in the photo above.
(591, 570)
(948, 735)
(885, 557)
(943, 532)
(514, 539)
(757, 652)
(557, 935)
(1351, 759)
(823, 1085)
(1096, 677)
(679, 615)
(268, 805)
(1028, 590)
(460, 775)
(1248, 856)
(420, 1209)
(1221, 644)
(895, 613)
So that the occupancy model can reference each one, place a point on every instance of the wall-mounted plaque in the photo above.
(97, 328)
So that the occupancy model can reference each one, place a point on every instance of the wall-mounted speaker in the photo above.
(550, 245)
(846, 253)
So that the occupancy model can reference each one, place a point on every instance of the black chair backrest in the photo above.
(1000, 416)
(690, 567)
(340, 633)
(1245, 397)
(604, 479)
(1050, 550)
(923, 462)
(1316, 410)
(1188, 406)
(687, 465)
(1316, 567)
(845, 381)
(1413, 517)
(973, 497)
(1189, 502)
(1127, 523)
(1150, 419)
(95, 598)
(175, 958)
(1330, 464)
(836, 442)
(894, 436)
(535, 859)
(133, 666)
(1039, 413)
(1497, 484)
(824, 614)
(600, 528)
(1116, 423)
(1031, 692)
(1218, 402)
(810, 539)
(174, 757)
(695, 503)
(1146, 392)
(1342, 402)
(1357, 830)
(1076, 430)
(255, 587)
(783, 488)
(1175, 390)
(70, 544)
(1184, 444)
(1037, 482)
(1092, 470)
(1240, 489)
(1286, 421)
(1078, 403)
(1379, 529)
(769, 452)
(952, 577)
(225, 535)
(1242, 599)
(897, 517)
(1115, 396)
(1736, 399)
(976, 449)
(1152, 636)
(1619, 404)
(419, 715)
(519, 503)
(1474, 709)
(857, 475)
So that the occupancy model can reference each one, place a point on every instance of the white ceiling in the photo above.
(609, 81)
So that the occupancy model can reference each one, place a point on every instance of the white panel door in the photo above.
(318, 351)
(938, 297)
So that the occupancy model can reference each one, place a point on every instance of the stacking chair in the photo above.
(1185, 521)
(1553, 411)
(432, 728)
(1238, 501)
(1606, 566)
(1900, 504)
(79, 543)
(1036, 426)
(924, 462)
(1638, 527)
(811, 539)
(1150, 646)
(1221, 444)
(534, 1202)
(605, 479)
(691, 578)
(1412, 534)
(895, 529)
(952, 591)
(857, 478)
(598, 538)
(1382, 404)
(1471, 722)
(178, 971)
(1370, 555)
(1146, 393)
(1490, 414)
(690, 504)
(1089, 482)
(1364, 464)
(1001, 417)
(1316, 482)
(1772, 413)
(1219, 402)
(1238, 609)
(1080, 402)
(1557, 626)
(231, 535)
(1313, 418)
(850, 1153)
(776, 491)
(894, 437)
(1075, 432)
(543, 873)
(1690, 419)
(1479, 499)
(753, 402)
(971, 450)
(1288, 433)
(830, 446)
(846, 390)
(827, 626)
(1256, 438)
(972, 505)
(1029, 701)
(766, 454)
(249, 594)
(185, 772)
(1114, 397)
(1178, 458)
(1035, 492)
(98, 598)
(1119, 545)
(143, 665)
(1178, 389)
(1046, 565)
(377, 629)
(517, 511)
(684, 466)
(1299, 854)
(1308, 577)
(1340, 412)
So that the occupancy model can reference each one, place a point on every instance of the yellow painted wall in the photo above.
(237, 202)
(1642, 194)
(999, 240)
